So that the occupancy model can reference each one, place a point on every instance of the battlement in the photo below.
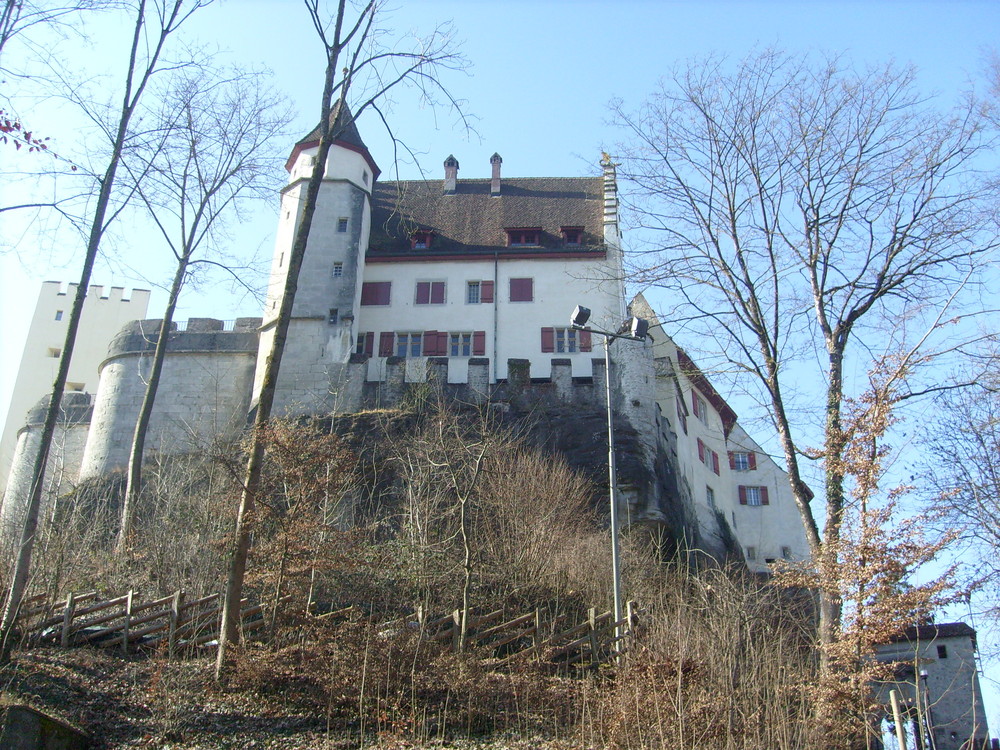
(519, 387)
(76, 408)
(197, 335)
(94, 292)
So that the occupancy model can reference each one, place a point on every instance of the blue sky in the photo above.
(541, 76)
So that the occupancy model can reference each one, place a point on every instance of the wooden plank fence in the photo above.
(175, 622)
(180, 625)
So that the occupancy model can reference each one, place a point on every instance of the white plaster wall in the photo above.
(105, 311)
(513, 329)
(768, 528)
(202, 396)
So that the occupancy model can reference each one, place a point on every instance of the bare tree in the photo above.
(361, 69)
(154, 23)
(805, 215)
(216, 152)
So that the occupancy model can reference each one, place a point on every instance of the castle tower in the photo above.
(105, 311)
(323, 327)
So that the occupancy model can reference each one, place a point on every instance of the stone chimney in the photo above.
(450, 174)
(610, 198)
(496, 161)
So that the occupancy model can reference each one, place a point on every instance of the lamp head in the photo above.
(639, 328)
(580, 316)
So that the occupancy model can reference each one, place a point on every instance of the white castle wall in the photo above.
(204, 392)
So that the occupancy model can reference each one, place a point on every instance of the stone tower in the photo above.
(323, 326)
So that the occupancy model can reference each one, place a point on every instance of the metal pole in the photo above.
(897, 718)
(613, 494)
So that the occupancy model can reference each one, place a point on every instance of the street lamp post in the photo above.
(634, 329)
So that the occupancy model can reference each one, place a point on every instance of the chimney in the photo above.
(450, 174)
(496, 161)
(610, 198)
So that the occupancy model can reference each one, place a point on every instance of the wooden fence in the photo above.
(180, 625)
(176, 622)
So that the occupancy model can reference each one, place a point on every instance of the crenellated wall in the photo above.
(203, 396)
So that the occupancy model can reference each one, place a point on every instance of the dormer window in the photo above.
(421, 240)
(572, 236)
(526, 237)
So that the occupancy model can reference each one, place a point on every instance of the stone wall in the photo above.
(203, 395)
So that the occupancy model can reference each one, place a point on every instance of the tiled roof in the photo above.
(942, 630)
(471, 221)
(349, 133)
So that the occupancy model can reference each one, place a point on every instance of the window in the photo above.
(753, 495)
(710, 497)
(751, 553)
(55, 353)
(524, 237)
(430, 292)
(376, 292)
(522, 290)
(460, 345)
(477, 292)
(334, 317)
(281, 260)
(59, 314)
(364, 176)
(572, 236)
(681, 413)
(742, 460)
(565, 340)
(708, 457)
(338, 270)
(365, 344)
(786, 553)
(74, 387)
(421, 240)
(942, 652)
(699, 407)
(408, 344)
(342, 224)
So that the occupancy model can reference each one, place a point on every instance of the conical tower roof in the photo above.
(345, 134)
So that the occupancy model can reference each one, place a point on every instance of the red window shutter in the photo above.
(548, 340)
(585, 343)
(732, 461)
(486, 291)
(694, 403)
(384, 289)
(521, 290)
(369, 344)
(763, 496)
(743, 495)
(701, 451)
(753, 460)
(368, 293)
(479, 343)
(442, 343)
(386, 340)
(715, 462)
(437, 293)
(423, 292)
(375, 292)
(430, 342)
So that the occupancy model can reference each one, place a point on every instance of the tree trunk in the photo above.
(134, 486)
(229, 629)
(19, 577)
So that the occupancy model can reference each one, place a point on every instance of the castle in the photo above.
(466, 285)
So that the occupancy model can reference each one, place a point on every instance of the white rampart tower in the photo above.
(105, 311)
(323, 326)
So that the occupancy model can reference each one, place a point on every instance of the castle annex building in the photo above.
(466, 285)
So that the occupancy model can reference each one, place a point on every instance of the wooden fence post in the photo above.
(592, 620)
(175, 615)
(128, 620)
(67, 619)
(536, 640)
